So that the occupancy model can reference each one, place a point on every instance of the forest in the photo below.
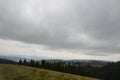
(109, 71)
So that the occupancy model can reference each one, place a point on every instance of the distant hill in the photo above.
(84, 62)
(2, 60)
(17, 72)
(15, 59)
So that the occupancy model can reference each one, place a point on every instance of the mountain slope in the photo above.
(17, 72)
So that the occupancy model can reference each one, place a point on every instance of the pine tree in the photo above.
(24, 62)
(43, 62)
(20, 62)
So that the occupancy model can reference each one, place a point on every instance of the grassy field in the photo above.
(17, 72)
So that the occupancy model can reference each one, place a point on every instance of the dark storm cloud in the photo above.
(65, 24)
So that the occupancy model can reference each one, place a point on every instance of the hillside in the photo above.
(17, 72)
(2, 60)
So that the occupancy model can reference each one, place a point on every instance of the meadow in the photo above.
(19, 72)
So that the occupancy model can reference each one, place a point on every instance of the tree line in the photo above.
(6, 61)
(111, 71)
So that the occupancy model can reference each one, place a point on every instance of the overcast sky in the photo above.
(62, 29)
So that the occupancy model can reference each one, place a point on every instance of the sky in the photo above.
(60, 29)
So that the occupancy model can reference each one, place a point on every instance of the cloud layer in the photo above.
(90, 26)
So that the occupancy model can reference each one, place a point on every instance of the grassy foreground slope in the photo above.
(17, 72)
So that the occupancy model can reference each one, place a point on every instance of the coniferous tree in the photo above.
(43, 62)
(24, 62)
(32, 62)
(37, 64)
(20, 62)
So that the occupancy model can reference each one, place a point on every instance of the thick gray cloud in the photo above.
(65, 24)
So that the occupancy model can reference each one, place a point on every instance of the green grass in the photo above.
(17, 72)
